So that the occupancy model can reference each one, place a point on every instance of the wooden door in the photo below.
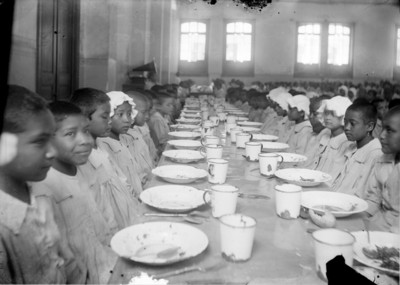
(58, 35)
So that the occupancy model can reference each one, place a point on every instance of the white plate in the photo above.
(249, 124)
(191, 115)
(142, 242)
(274, 146)
(376, 239)
(292, 157)
(185, 144)
(179, 173)
(339, 204)
(190, 111)
(262, 137)
(183, 155)
(173, 198)
(188, 121)
(249, 129)
(185, 135)
(179, 127)
(302, 176)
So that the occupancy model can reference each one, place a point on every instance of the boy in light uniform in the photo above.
(319, 130)
(383, 191)
(359, 122)
(107, 182)
(381, 106)
(158, 123)
(87, 231)
(122, 115)
(33, 249)
(134, 141)
(331, 151)
(299, 111)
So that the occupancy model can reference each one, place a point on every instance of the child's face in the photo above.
(382, 109)
(279, 110)
(100, 122)
(316, 118)
(355, 127)
(390, 136)
(294, 114)
(331, 121)
(167, 106)
(143, 113)
(35, 151)
(122, 119)
(73, 140)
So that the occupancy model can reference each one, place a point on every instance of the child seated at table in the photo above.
(87, 231)
(383, 187)
(359, 122)
(319, 130)
(134, 141)
(257, 107)
(122, 115)
(282, 127)
(269, 116)
(158, 124)
(145, 130)
(299, 110)
(108, 184)
(381, 106)
(331, 151)
(32, 248)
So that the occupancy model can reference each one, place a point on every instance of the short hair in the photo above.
(315, 102)
(367, 109)
(137, 95)
(162, 97)
(376, 102)
(393, 103)
(62, 109)
(88, 99)
(393, 111)
(21, 105)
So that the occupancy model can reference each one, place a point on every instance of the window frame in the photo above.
(243, 69)
(324, 69)
(198, 68)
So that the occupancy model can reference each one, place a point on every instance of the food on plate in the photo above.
(387, 256)
(335, 208)
(307, 179)
(323, 220)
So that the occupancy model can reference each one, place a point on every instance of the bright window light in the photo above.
(238, 41)
(193, 41)
(308, 44)
(338, 44)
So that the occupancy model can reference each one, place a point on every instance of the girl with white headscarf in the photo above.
(330, 157)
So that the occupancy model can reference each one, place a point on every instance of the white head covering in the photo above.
(117, 98)
(354, 91)
(301, 102)
(312, 94)
(281, 99)
(338, 105)
(275, 92)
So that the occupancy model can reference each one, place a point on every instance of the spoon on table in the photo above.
(191, 217)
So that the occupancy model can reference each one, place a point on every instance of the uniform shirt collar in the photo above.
(336, 142)
(13, 211)
(361, 155)
(302, 125)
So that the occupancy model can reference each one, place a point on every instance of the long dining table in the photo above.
(283, 250)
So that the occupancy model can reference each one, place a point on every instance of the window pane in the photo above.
(316, 28)
(201, 27)
(193, 27)
(302, 29)
(331, 29)
(239, 27)
(339, 46)
(185, 28)
(230, 28)
(309, 29)
(398, 50)
(247, 28)
(193, 44)
(308, 50)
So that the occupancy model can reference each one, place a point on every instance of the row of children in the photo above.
(73, 181)
(337, 137)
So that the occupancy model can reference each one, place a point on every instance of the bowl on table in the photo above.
(274, 146)
(264, 137)
(249, 124)
(184, 135)
(179, 174)
(184, 128)
(159, 243)
(339, 204)
(302, 176)
(190, 115)
(183, 155)
(185, 144)
(189, 121)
